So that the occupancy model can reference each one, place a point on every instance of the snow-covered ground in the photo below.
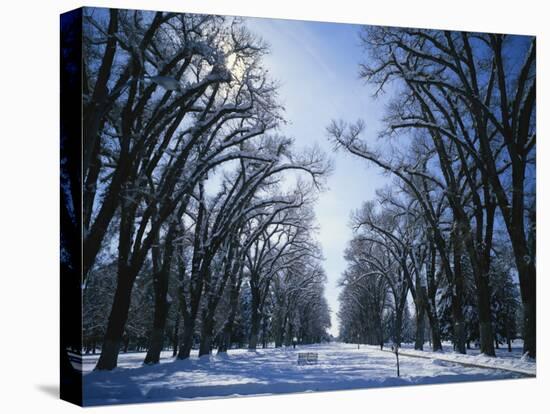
(269, 371)
(514, 360)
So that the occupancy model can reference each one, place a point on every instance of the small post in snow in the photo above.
(358, 341)
(395, 349)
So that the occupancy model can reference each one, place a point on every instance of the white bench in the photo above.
(307, 358)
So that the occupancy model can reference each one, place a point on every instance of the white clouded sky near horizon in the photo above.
(317, 65)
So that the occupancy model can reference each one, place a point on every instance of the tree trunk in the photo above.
(206, 343)
(186, 340)
(398, 325)
(279, 339)
(115, 326)
(264, 332)
(254, 330)
(420, 327)
(162, 306)
(206, 333)
(225, 340)
(255, 318)
(420, 313)
(457, 283)
(528, 286)
(530, 326)
(161, 281)
(459, 336)
(289, 334)
(435, 330)
(156, 343)
(486, 336)
(380, 331)
(280, 332)
(175, 338)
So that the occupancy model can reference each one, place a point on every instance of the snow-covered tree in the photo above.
(468, 100)
(169, 100)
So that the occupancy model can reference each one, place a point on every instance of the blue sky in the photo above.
(317, 67)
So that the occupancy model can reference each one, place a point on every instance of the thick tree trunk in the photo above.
(254, 330)
(264, 332)
(225, 339)
(162, 306)
(255, 318)
(156, 343)
(380, 331)
(486, 335)
(115, 326)
(206, 334)
(459, 335)
(209, 311)
(175, 336)
(530, 326)
(189, 322)
(485, 327)
(486, 331)
(289, 334)
(400, 299)
(420, 327)
(206, 343)
(457, 299)
(431, 306)
(227, 332)
(200, 266)
(126, 276)
(528, 285)
(280, 332)
(161, 281)
(420, 313)
(435, 330)
(186, 340)
(279, 339)
(398, 326)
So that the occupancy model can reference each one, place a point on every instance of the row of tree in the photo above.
(393, 259)
(457, 230)
(197, 215)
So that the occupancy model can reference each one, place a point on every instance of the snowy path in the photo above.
(269, 371)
